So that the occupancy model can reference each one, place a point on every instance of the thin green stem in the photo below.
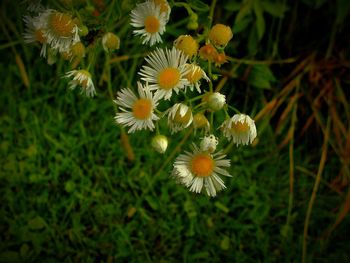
(108, 71)
(211, 13)
(264, 62)
(210, 76)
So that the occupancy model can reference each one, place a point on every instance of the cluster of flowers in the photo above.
(60, 34)
(170, 71)
(167, 75)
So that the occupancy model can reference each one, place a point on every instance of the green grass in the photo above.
(69, 193)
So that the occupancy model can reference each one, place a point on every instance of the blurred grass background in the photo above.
(69, 192)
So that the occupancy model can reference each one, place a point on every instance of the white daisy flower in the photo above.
(166, 71)
(194, 75)
(201, 168)
(61, 31)
(83, 79)
(209, 143)
(240, 128)
(35, 32)
(179, 117)
(151, 20)
(137, 113)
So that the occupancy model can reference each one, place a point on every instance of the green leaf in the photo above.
(37, 223)
(198, 5)
(343, 7)
(9, 256)
(245, 10)
(222, 207)
(232, 6)
(153, 202)
(315, 3)
(69, 186)
(225, 243)
(276, 9)
(261, 77)
(242, 24)
(253, 41)
(260, 21)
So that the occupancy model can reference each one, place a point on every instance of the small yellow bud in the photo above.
(220, 59)
(192, 25)
(208, 52)
(83, 31)
(200, 121)
(110, 42)
(78, 50)
(220, 35)
(187, 44)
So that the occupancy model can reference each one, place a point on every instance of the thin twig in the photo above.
(314, 191)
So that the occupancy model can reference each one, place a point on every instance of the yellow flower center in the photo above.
(62, 25)
(202, 165)
(194, 75)
(183, 119)
(169, 78)
(142, 109)
(151, 24)
(39, 36)
(240, 127)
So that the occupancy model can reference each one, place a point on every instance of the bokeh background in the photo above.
(75, 188)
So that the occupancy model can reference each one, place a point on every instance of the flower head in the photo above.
(209, 143)
(35, 32)
(201, 122)
(160, 143)
(187, 44)
(201, 168)
(166, 71)
(240, 128)
(194, 74)
(61, 30)
(216, 101)
(110, 42)
(136, 112)
(148, 17)
(179, 117)
(220, 35)
(83, 79)
(220, 59)
(208, 52)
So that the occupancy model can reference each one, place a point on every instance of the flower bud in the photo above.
(216, 101)
(160, 143)
(220, 35)
(209, 143)
(110, 42)
(200, 121)
(187, 44)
